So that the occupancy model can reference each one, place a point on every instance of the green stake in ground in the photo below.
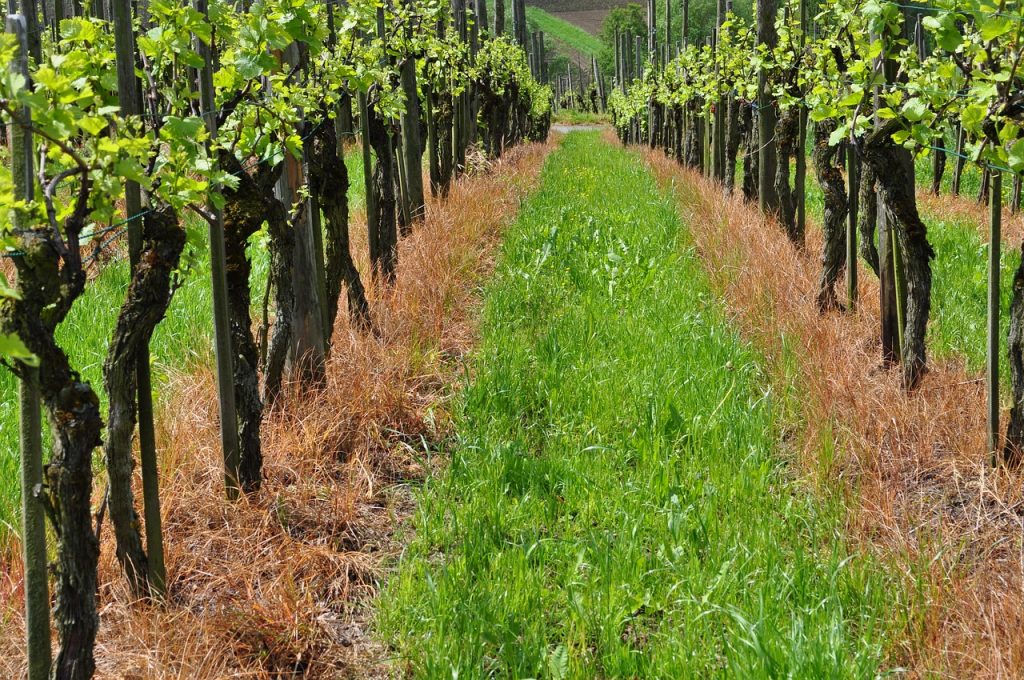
(33, 519)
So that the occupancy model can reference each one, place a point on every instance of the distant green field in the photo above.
(570, 35)
(577, 5)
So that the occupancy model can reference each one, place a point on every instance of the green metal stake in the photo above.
(127, 94)
(994, 252)
(218, 271)
(33, 519)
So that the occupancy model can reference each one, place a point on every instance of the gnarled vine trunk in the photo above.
(49, 285)
(282, 257)
(867, 217)
(384, 243)
(733, 139)
(837, 207)
(786, 143)
(1013, 447)
(695, 137)
(748, 132)
(149, 295)
(894, 172)
(244, 213)
(328, 178)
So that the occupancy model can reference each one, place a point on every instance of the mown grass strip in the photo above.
(614, 504)
(570, 34)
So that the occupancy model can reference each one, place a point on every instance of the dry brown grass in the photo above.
(281, 584)
(914, 469)
(967, 210)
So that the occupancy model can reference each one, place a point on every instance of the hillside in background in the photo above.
(587, 14)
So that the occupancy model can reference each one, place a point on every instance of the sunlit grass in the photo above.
(615, 503)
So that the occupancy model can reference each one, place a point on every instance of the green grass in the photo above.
(614, 504)
(183, 340)
(564, 32)
(573, 117)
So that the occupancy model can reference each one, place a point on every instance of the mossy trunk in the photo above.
(149, 295)
(329, 182)
(837, 207)
(867, 217)
(1013, 447)
(894, 172)
(49, 285)
(786, 143)
(244, 213)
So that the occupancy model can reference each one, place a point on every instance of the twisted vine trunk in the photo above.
(786, 143)
(751, 157)
(444, 118)
(49, 286)
(678, 133)
(384, 243)
(244, 213)
(837, 207)
(329, 182)
(894, 172)
(938, 166)
(149, 295)
(867, 218)
(733, 139)
(282, 256)
(695, 138)
(1013, 447)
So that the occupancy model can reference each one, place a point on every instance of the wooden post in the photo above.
(853, 181)
(307, 349)
(800, 179)
(499, 18)
(33, 31)
(372, 214)
(686, 23)
(519, 22)
(479, 18)
(33, 518)
(718, 119)
(652, 27)
(958, 163)
(767, 117)
(218, 272)
(888, 285)
(639, 55)
(994, 252)
(668, 30)
(127, 95)
(412, 145)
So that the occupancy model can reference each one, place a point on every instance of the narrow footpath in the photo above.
(617, 502)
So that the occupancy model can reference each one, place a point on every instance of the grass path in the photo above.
(615, 505)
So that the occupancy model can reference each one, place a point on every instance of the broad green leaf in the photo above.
(12, 347)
